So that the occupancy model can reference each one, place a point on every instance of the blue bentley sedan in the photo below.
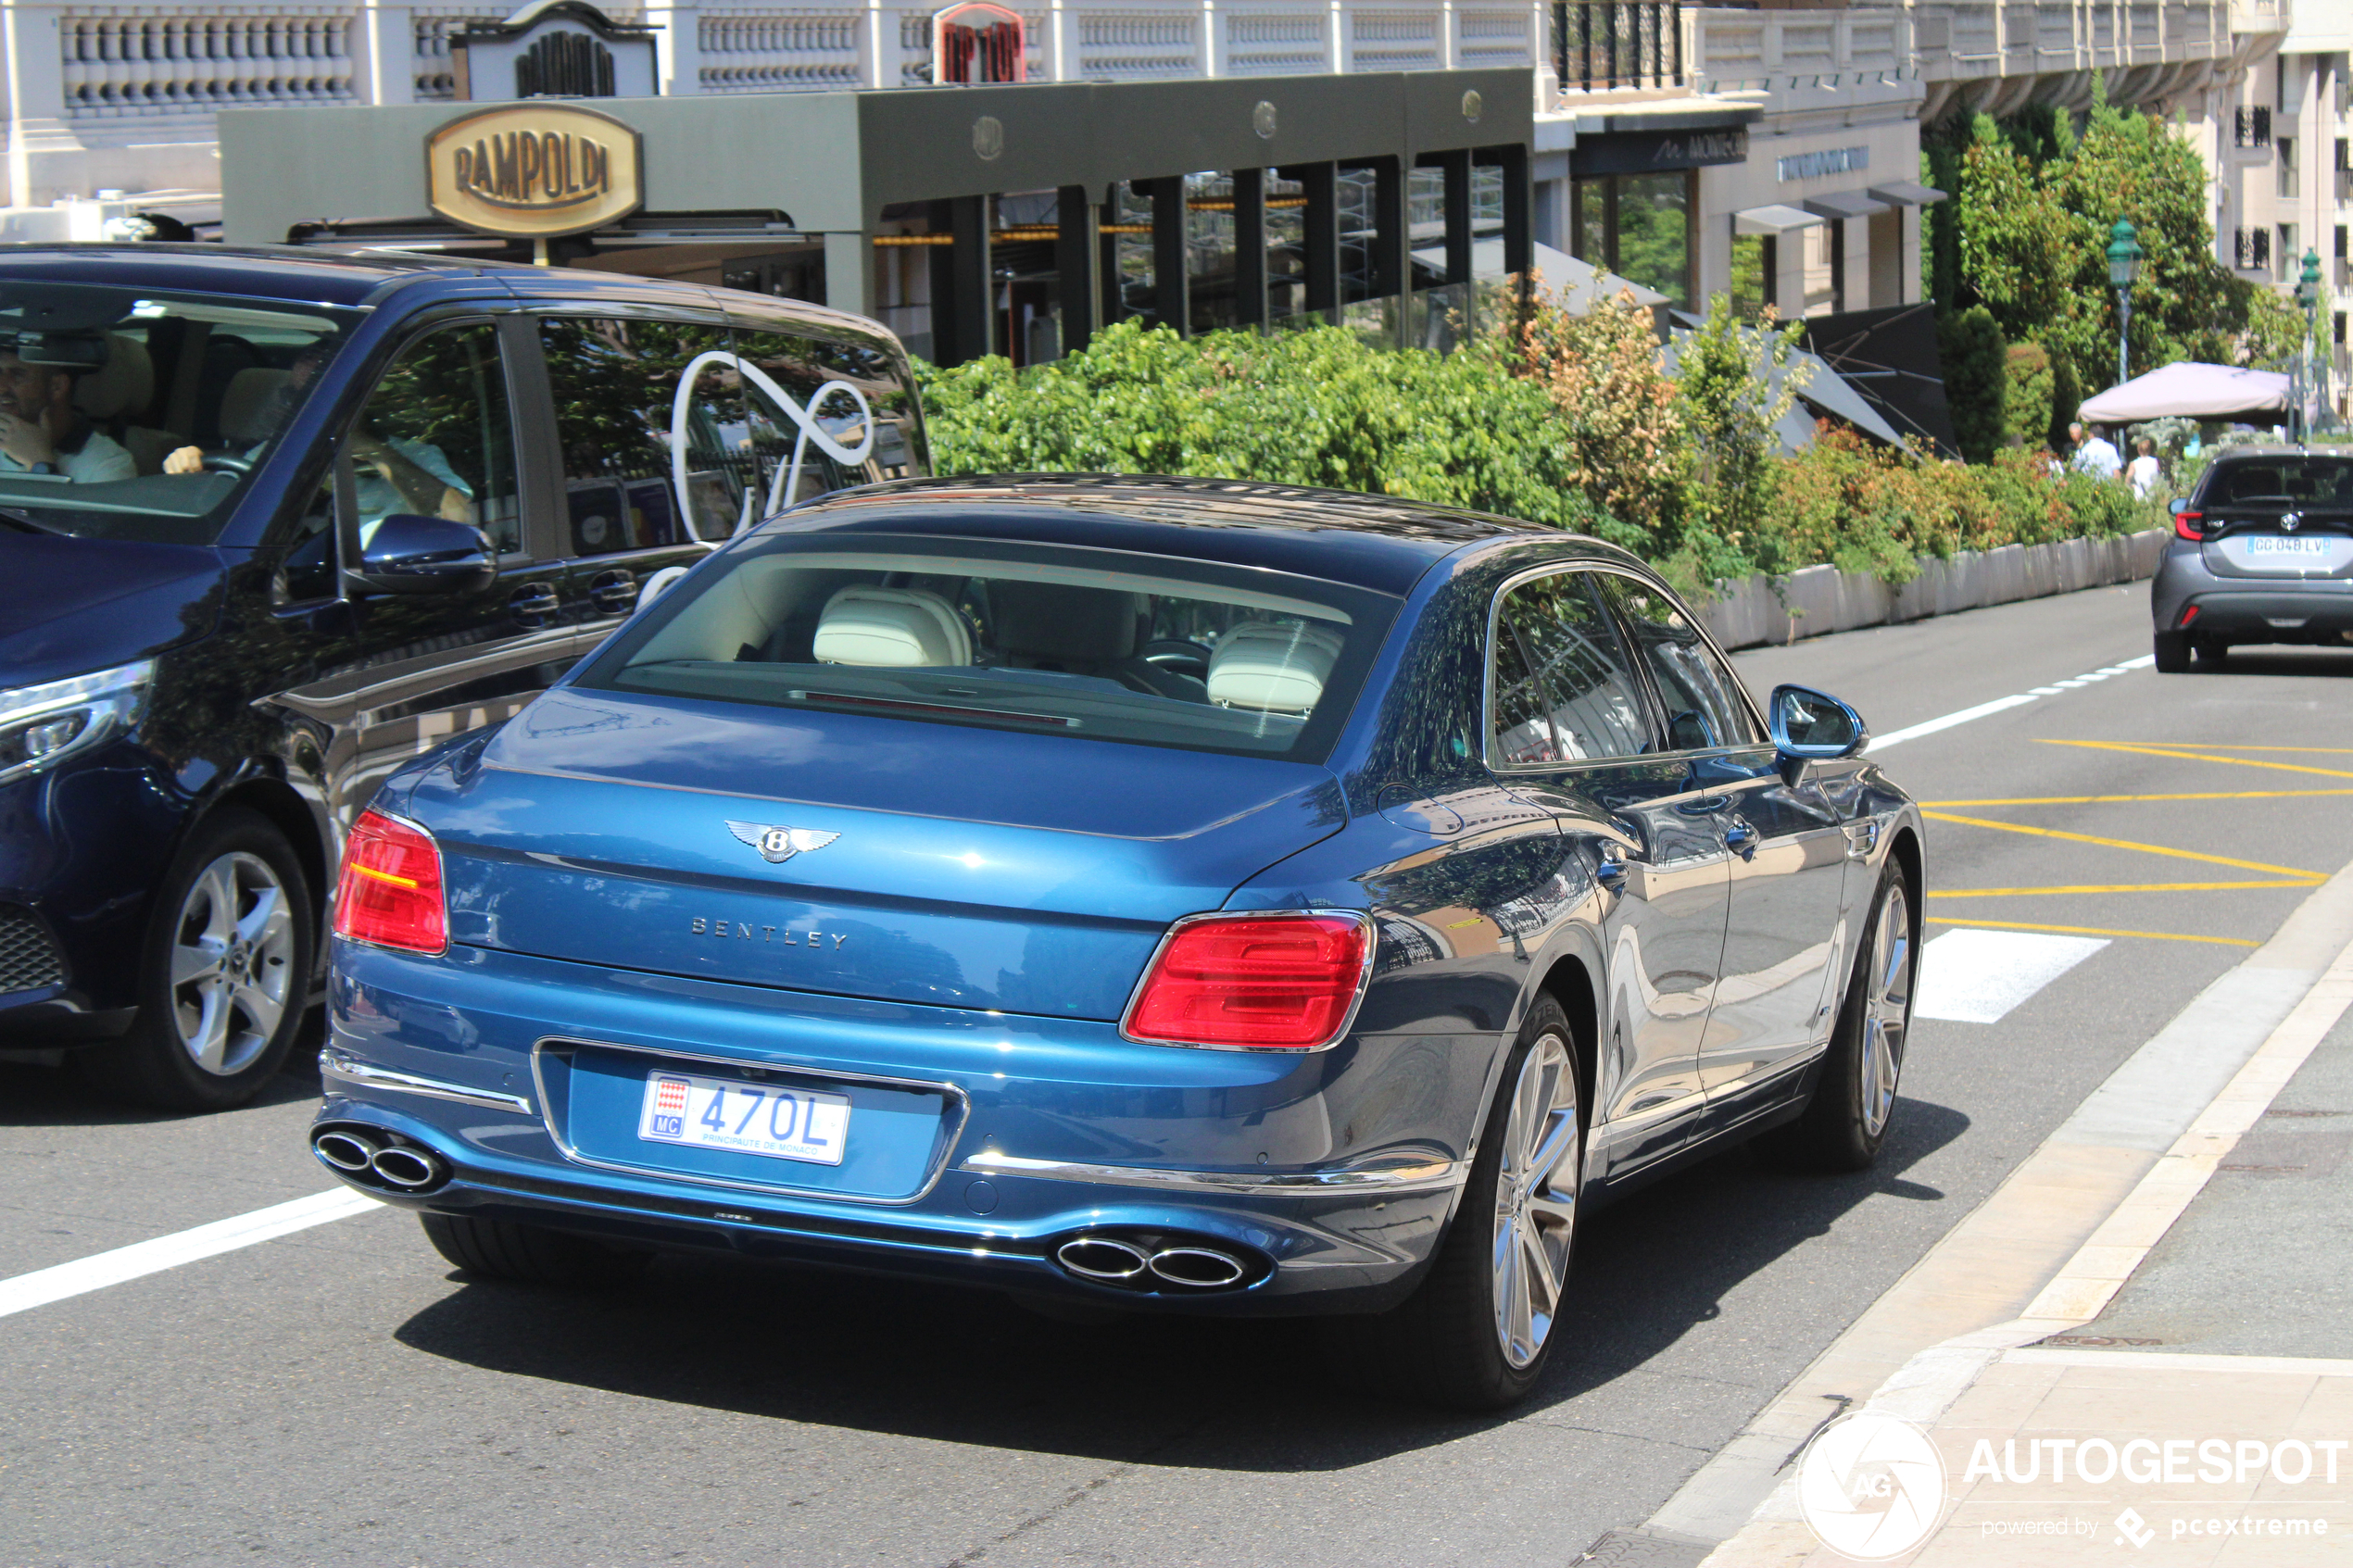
(1175, 894)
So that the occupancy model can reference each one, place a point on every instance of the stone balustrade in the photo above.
(122, 62)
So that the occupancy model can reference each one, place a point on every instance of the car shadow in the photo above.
(969, 1366)
(43, 1095)
(2275, 659)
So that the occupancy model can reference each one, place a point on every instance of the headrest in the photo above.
(1279, 669)
(249, 408)
(124, 384)
(892, 628)
(1054, 621)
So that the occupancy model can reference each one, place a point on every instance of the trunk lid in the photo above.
(917, 862)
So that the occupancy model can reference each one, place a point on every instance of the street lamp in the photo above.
(2124, 264)
(2308, 295)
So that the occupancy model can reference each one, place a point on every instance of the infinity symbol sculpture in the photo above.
(804, 419)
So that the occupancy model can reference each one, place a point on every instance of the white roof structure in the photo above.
(2190, 389)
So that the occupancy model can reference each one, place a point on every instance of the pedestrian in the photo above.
(2142, 471)
(2094, 453)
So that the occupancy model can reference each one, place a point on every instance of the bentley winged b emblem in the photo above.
(778, 845)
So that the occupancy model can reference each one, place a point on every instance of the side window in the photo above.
(1564, 690)
(436, 438)
(1704, 707)
(812, 399)
(619, 398)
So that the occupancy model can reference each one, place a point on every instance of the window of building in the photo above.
(1753, 264)
(2287, 250)
(2287, 166)
(1638, 226)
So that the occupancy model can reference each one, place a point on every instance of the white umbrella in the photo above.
(2191, 391)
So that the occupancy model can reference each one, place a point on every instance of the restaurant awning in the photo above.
(1842, 204)
(1908, 193)
(1773, 220)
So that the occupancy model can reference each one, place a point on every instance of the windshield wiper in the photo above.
(26, 521)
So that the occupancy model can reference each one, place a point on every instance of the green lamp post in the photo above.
(2307, 294)
(2123, 265)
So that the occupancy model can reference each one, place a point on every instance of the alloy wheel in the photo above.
(1887, 1008)
(1536, 1199)
(231, 964)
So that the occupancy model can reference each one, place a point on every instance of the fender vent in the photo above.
(29, 960)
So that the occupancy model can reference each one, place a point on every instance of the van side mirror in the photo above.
(1807, 723)
(411, 554)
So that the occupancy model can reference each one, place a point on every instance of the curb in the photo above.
(2049, 1248)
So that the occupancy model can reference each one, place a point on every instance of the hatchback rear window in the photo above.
(1096, 645)
(2254, 482)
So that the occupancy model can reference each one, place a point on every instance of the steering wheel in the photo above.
(227, 463)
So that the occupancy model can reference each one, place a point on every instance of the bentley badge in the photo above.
(778, 845)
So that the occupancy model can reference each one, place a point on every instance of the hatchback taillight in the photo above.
(390, 890)
(2190, 526)
(1261, 982)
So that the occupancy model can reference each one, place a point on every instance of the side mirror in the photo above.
(410, 554)
(1808, 723)
(2179, 507)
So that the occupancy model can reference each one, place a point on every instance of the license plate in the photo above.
(2287, 547)
(805, 1124)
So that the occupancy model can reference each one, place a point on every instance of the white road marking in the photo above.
(2000, 705)
(1973, 977)
(84, 1274)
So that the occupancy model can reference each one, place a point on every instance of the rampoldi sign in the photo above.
(534, 172)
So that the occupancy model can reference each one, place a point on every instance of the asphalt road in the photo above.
(340, 1396)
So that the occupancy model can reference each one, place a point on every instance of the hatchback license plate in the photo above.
(2287, 547)
(805, 1124)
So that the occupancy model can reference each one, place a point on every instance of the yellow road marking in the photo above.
(2297, 872)
(2095, 930)
(2226, 746)
(2178, 754)
(2120, 887)
(2109, 799)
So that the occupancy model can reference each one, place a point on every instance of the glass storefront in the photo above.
(1638, 226)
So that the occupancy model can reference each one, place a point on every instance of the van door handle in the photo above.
(614, 591)
(535, 604)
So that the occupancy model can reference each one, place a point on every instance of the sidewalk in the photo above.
(2181, 1392)
(2235, 1329)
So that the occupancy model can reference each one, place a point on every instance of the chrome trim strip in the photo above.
(336, 1067)
(955, 1111)
(1416, 1176)
(1364, 918)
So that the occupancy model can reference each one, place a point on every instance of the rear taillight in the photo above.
(1259, 982)
(390, 890)
(2190, 526)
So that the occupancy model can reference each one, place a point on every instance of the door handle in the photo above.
(614, 591)
(1740, 839)
(535, 604)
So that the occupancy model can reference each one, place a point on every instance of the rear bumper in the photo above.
(2251, 610)
(1061, 1129)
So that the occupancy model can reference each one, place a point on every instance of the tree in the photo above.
(2018, 250)
(1976, 386)
(1736, 382)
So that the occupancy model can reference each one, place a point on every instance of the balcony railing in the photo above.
(128, 63)
(1612, 43)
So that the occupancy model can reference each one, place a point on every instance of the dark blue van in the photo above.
(272, 522)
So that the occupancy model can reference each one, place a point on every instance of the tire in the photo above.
(1476, 1335)
(1845, 1121)
(527, 1254)
(2172, 653)
(224, 973)
(2211, 652)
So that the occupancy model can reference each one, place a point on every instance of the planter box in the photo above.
(1816, 599)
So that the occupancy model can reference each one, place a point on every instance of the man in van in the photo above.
(41, 432)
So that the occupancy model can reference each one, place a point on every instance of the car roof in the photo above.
(257, 272)
(1380, 543)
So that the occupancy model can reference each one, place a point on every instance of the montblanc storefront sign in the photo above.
(534, 172)
(1814, 166)
(1644, 152)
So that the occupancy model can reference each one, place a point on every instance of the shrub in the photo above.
(1976, 382)
(2027, 404)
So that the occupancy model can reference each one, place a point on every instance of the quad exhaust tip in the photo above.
(1150, 1262)
(377, 1159)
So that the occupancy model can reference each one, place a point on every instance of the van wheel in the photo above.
(224, 975)
(2173, 652)
(1854, 1100)
(1476, 1334)
(527, 1254)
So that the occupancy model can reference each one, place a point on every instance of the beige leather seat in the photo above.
(250, 405)
(121, 390)
(892, 628)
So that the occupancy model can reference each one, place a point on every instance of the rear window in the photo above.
(1097, 645)
(2275, 481)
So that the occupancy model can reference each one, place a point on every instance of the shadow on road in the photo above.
(53, 1097)
(2270, 660)
(960, 1366)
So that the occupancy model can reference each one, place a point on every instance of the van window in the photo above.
(435, 438)
(620, 393)
(131, 414)
(823, 415)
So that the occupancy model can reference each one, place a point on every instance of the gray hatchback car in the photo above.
(2262, 552)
